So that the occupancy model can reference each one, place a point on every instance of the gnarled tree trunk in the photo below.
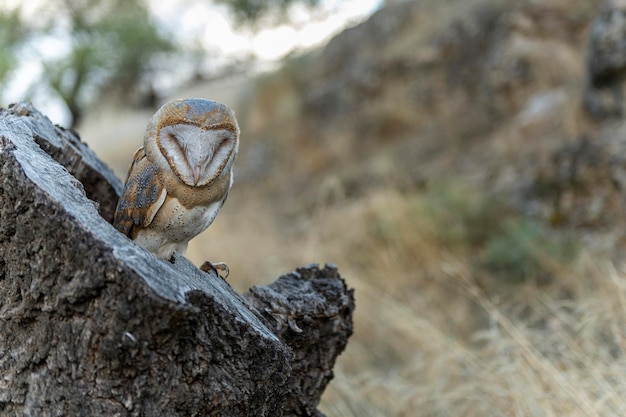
(93, 325)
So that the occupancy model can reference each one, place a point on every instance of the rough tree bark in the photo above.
(93, 325)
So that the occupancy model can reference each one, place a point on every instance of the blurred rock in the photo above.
(353, 66)
(387, 77)
(541, 106)
(579, 186)
(606, 62)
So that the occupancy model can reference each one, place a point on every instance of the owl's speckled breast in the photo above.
(179, 223)
(174, 225)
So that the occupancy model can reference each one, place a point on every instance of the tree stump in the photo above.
(93, 325)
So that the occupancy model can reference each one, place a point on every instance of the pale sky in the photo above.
(211, 24)
(307, 28)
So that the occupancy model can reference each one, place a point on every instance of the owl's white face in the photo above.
(197, 155)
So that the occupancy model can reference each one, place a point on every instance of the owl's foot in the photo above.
(220, 268)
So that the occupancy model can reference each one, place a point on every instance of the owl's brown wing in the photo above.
(143, 196)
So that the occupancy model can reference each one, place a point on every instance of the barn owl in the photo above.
(181, 176)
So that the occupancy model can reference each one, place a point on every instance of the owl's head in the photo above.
(196, 139)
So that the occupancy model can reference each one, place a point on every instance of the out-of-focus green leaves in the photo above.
(249, 11)
(13, 33)
(113, 44)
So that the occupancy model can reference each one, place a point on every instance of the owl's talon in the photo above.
(220, 268)
(207, 267)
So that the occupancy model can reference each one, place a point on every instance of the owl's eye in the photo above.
(172, 138)
(225, 142)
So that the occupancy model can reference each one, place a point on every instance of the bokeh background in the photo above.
(461, 161)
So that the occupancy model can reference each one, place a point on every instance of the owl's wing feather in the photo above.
(143, 195)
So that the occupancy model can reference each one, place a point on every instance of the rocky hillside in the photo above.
(489, 91)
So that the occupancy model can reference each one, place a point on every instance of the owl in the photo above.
(180, 178)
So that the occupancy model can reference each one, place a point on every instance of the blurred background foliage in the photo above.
(13, 33)
(250, 11)
(112, 46)
(463, 162)
(105, 47)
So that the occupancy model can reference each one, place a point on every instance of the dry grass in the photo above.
(532, 354)
(429, 340)
(570, 363)
(418, 349)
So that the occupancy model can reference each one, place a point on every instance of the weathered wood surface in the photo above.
(93, 325)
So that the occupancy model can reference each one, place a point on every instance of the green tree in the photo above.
(249, 11)
(113, 44)
(13, 34)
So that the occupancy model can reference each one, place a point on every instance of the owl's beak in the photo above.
(196, 174)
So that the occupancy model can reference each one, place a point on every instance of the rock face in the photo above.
(91, 324)
(606, 62)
